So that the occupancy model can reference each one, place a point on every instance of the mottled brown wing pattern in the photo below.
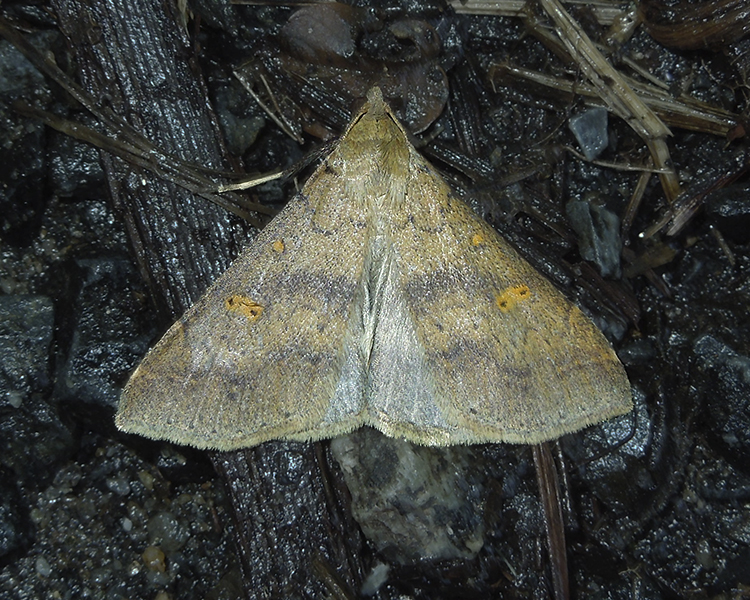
(500, 355)
(260, 355)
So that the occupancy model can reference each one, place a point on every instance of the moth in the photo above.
(376, 297)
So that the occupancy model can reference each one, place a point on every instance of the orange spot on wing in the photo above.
(512, 296)
(248, 308)
(477, 239)
(278, 246)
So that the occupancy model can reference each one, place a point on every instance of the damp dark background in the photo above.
(86, 512)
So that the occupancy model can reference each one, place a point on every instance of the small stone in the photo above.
(598, 232)
(412, 502)
(42, 566)
(590, 129)
(154, 559)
